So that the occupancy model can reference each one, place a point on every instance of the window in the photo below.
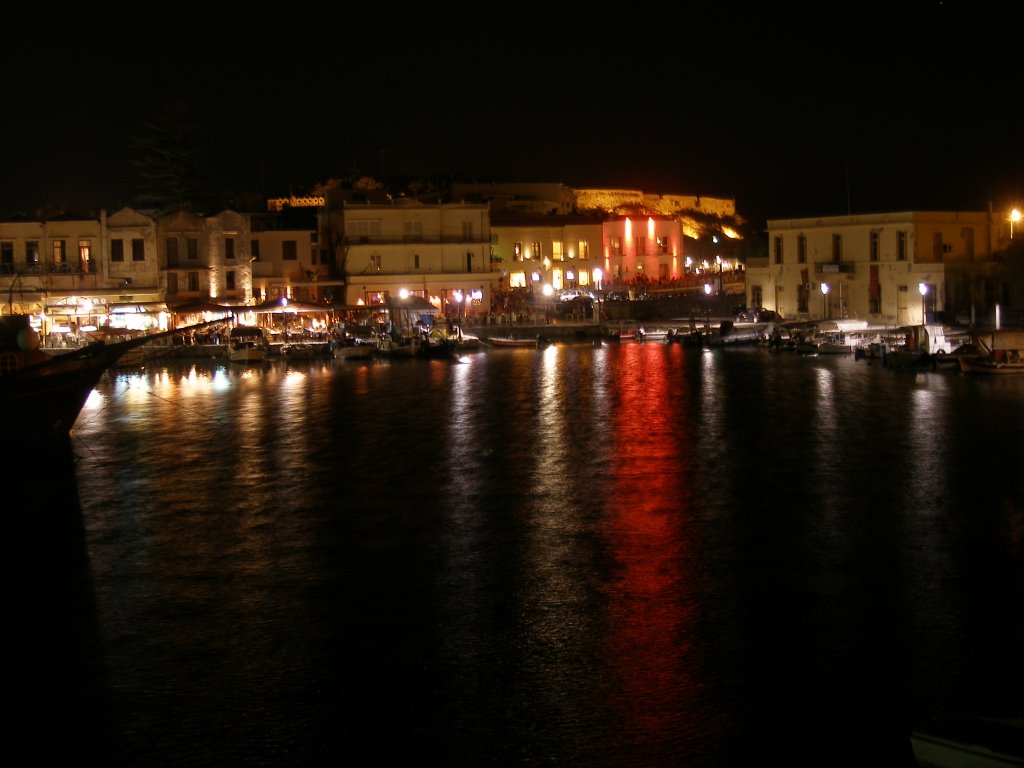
(837, 248)
(7, 257)
(290, 250)
(117, 250)
(363, 229)
(414, 230)
(616, 246)
(415, 261)
(901, 246)
(875, 246)
(467, 231)
(968, 235)
(31, 252)
(375, 261)
(536, 251)
(556, 251)
(662, 243)
(230, 279)
(584, 249)
(60, 249)
(801, 250)
(84, 251)
(937, 246)
(229, 247)
(517, 252)
(138, 249)
(254, 249)
(874, 291)
(172, 251)
(777, 249)
(193, 281)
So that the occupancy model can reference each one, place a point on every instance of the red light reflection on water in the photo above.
(651, 606)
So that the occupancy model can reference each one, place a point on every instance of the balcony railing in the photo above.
(834, 267)
(403, 239)
(65, 268)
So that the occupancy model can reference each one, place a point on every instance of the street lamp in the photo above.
(923, 288)
(1014, 218)
(548, 292)
(824, 299)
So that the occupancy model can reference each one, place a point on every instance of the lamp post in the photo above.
(923, 288)
(824, 301)
(1014, 218)
(548, 292)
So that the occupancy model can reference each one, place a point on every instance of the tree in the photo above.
(165, 156)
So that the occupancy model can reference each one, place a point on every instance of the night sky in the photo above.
(862, 114)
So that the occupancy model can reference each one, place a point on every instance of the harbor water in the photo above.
(613, 555)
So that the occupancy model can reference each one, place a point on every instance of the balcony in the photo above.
(834, 267)
(426, 239)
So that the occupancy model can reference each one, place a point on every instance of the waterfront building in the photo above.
(402, 246)
(74, 272)
(887, 268)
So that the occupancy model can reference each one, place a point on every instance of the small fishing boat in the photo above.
(991, 364)
(1001, 353)
(353, 350)
(624, 330)
(513, 341)
(247, 344)
(653, 334)
(305, 350)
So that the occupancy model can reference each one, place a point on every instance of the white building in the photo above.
(887, 268)
(438, 251)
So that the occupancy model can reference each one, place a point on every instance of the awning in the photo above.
(198, 307)
(289, 305)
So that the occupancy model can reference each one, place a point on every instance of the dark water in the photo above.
(634, 555)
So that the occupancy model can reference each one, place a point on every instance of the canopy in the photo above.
(281, 304)
(196, 307)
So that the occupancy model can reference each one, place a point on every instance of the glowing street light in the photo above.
(923, 288)
(824, 299)
(1014, 218)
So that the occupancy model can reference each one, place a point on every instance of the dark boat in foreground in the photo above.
(44, 393)
(963, 741)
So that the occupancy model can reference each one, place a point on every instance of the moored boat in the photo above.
(624, 330)
(991, 364)
(513, 341)
(44, 394)
(1001, 353)
(247, 344)
(436, 346)
(353, 350)
(653, 334)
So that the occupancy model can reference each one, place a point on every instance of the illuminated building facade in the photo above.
(438, 251)
(75, 272)
(890, 268)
